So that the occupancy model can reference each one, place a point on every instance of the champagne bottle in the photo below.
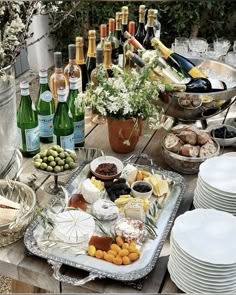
(63, 128)
(72, 69)
(124, 21)
(27, 123)
(45, 109)
(58, 78)
(91, 54)
(118, 36)
(150, 31)
(156, 25)
(114, 42)
(103, 35)
(77, 113)
(99, 54)
(178, 61)
(128, 63)
(141, 32)
(83, 81)
(107, 62)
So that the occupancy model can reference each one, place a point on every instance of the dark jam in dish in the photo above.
(141, 188)
(107, 169)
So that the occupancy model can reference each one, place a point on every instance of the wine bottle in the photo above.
(72, 69)
(83, 81)
(114, 42)
(103, 35)
(178, 61)
(27, 124)
(150, 31)
(156, 25)
(77, 113)
(58, 78)
(91, 54)
(45, 108)
(63, 128)
(118, 36)
(133, 41)
(99, 54)
(128, 63)
(141, 32)
(107, 61)
(124, 22)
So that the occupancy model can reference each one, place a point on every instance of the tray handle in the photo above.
(132, 158)
(69, 280)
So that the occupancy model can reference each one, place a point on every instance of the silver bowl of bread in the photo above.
(17, 206)
(199, 106)
(186, 147)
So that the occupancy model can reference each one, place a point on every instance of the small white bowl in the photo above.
(106, 159)
(138, 194)
(223, 141)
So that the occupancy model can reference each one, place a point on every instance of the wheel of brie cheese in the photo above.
(105, 210)
(73, 226)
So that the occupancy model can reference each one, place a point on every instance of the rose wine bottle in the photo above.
(72, 69)
(141, 32)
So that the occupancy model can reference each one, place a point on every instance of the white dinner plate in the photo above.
(220, 173)
(210, 235)
(231, 154)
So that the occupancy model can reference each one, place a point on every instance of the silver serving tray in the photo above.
(99, 268)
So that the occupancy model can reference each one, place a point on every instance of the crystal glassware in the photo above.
(198, 46)
(221, 46)
(181, 45)
(230, 58)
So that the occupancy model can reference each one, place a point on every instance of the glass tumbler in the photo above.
(221, 46)
(198, 46)
(181, 45)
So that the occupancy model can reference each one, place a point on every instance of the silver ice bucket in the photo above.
(203, 105)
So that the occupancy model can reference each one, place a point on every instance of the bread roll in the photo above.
(172, 143)
(188, 137)
(208, 149)
(202, 136)
(189, 150)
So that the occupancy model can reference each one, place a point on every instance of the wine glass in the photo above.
(211, 52)
(181, 45)
(198, 46)
(221, 46)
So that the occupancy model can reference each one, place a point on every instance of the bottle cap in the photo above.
(107, 45)
(151, 12)
(92, 34)
(103, 30)
(99, 55)
(79, 41)
(61, 91)
(72, 51)
(125, 9)
(132, 28)
(142, 8)
(111, 24)
(118, 15)
(127, 35)
(58, 59)
(43, 73)
(24, 84)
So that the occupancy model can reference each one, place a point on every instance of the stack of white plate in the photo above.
(203, 252)
(216, 185)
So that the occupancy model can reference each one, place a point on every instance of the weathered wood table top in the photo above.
(29, 271)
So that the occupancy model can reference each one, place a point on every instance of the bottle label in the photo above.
(46, 96)
(45, 125)
(115, 55)
(62, 97)
(79, 131)
(43, 80)
(73, 85)
(32, 139)
(196, 73)
(120, 62)
(66, 142)
(24, 91)
(19, 138)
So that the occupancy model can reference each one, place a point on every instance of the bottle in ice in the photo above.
(45, 108)
(27, 123)
(77, 113)
(63, 127)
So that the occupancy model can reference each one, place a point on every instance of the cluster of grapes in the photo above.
(117, 188)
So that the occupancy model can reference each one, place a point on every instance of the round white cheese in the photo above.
(89, 191)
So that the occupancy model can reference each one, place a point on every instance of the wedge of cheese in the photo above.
(160, 186)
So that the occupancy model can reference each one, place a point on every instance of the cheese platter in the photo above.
(103, 228)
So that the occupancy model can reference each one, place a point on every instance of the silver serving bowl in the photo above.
(205, 105)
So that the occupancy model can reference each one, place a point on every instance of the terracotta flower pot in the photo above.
(121, 131)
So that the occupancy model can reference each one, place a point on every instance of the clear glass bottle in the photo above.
(156, 25)
(118, 36)
(83, 81)
(114, 42)
(63, 127)
(45, 108)
(128, 64)
(58, 79)
(150, 30)
(27, 123)
(99, 55)
(77, 113)
(103, 35)
(72, 69)
(91, 54)
(141, 32)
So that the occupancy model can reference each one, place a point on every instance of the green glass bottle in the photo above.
(63, 128)
(45, 108)
(77, 113)
(27, 124)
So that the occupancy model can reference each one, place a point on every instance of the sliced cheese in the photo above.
(73, 226)
(5, 202)
(160, 186)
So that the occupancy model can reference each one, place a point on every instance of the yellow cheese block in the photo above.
(160, 186)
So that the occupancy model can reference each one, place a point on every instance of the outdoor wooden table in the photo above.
(33, 274)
